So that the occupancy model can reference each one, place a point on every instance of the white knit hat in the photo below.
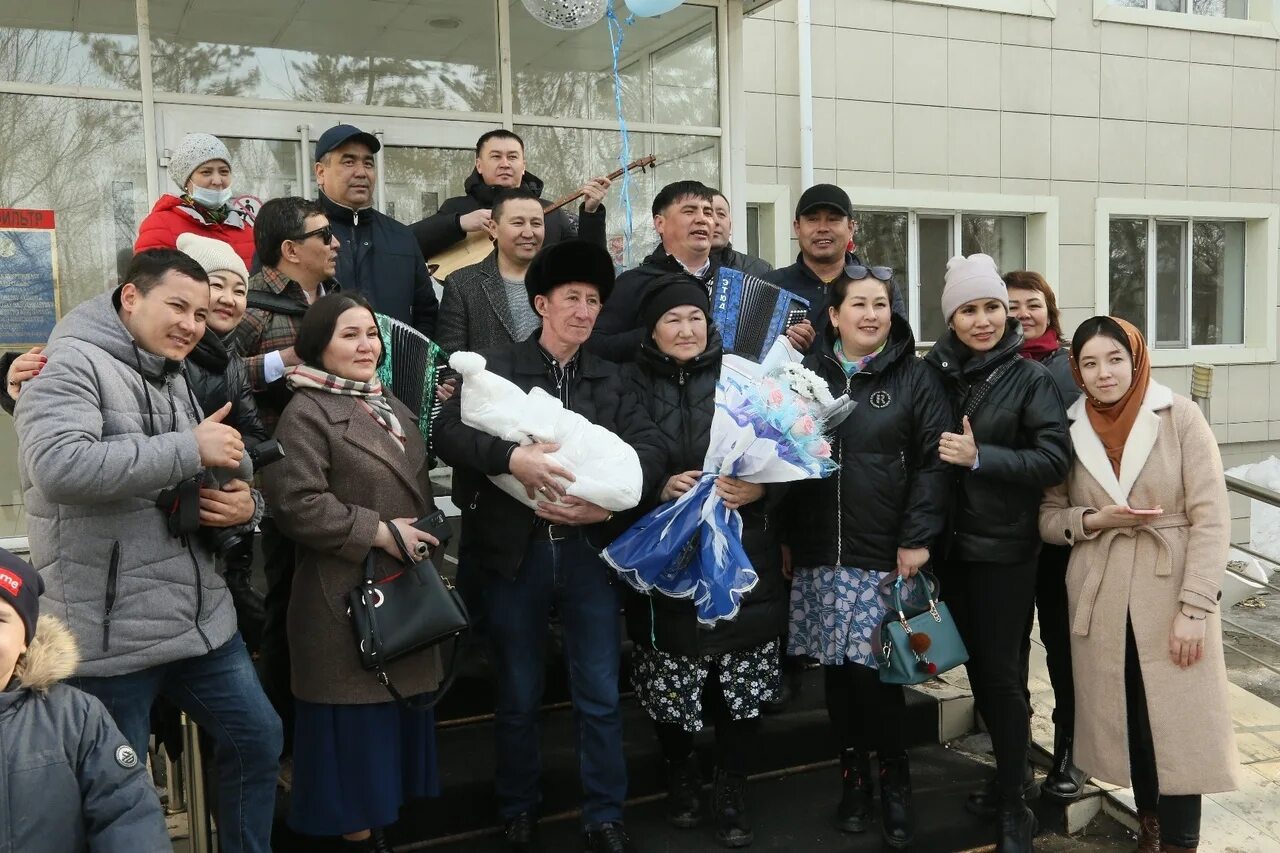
(967, 279)
(192, 152)
(213, 255)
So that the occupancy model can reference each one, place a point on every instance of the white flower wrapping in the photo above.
(606, 469)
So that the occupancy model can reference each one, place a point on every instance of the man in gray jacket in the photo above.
(114, 451)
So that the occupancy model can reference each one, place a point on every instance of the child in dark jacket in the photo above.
(69, 781)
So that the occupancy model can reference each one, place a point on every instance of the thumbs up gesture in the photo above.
(220, 445)
(959, 448)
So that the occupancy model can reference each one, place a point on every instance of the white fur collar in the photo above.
(1137, 447)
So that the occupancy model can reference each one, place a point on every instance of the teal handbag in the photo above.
(926, 644)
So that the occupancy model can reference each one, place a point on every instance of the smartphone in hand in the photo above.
(1153, 511)
(435, 525)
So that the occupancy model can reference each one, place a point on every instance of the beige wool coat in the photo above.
(343, 473)
(1170, 460)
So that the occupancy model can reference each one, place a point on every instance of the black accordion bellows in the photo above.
(414, 365)
(751, 313)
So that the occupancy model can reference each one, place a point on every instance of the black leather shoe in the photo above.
(729, 804)
(854, 812)
(1065, 782)
(985, 802)
(522, 834)
(1017, 829)
(897, 813)
(684, 793)
(607, 838)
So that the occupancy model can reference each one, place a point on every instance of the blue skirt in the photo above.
(355, 765)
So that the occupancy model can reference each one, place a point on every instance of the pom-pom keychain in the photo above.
(920, 643)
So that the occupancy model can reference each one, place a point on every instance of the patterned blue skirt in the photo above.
(836, 613)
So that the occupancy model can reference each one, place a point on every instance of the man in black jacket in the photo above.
(824, 228)
(722, 250)
(533, 560)
(684, 218)
(377, 256)
(500, 165)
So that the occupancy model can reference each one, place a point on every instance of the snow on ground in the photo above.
(1264, 519)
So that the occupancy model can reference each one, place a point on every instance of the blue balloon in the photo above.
(649, 8)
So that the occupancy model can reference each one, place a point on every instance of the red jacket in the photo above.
(172, 217)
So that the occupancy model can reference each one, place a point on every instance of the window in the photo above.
(1182, 281)
(918, 244)
(1209, 8)
(1198, 278)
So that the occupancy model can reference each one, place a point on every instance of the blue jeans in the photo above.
(220, 691)
(570, 575)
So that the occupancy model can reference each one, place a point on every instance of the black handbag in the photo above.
(404, 613)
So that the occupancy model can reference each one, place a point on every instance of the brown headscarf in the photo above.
(1113, 421)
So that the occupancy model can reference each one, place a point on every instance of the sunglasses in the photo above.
(857, 272)
(325, 233)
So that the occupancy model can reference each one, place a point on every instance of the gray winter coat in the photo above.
(101, 431)
(68, 780)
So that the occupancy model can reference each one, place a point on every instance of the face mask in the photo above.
(211, 199)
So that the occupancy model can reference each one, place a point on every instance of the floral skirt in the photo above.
(670, 687)
(836, 613)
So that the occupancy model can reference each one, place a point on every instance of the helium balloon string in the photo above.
(624, 155)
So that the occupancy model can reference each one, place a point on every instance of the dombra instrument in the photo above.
(477, 245)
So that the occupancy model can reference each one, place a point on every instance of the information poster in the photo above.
(29, 291)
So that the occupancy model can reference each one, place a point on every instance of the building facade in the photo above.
(1128, 152)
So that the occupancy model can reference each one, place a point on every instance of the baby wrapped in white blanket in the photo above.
(606, 468)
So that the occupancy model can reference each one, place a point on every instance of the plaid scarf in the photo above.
(370, 394)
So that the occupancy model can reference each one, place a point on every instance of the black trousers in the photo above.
(279, 557)
(991, 603)
(865, 713)
(1179, 815)
(1055, 635)
(735, 739)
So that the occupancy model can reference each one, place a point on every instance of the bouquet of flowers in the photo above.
(768, 427)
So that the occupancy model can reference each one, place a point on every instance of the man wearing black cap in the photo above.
(530, 561)
(824, 227)
(378, 256)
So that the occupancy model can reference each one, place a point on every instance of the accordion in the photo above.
(413, 366)
(751, 313)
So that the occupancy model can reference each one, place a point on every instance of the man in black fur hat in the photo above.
(527, 561)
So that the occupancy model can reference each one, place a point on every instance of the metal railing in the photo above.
(1272, 498)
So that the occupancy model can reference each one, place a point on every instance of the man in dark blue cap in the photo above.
(378, 256)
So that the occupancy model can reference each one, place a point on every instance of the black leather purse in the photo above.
(407, 612)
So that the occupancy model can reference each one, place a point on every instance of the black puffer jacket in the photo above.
(1023, 448)
(218, 377)
(735, 260)
(892, 490)
(441, 230)
(496, 528)
(681, 402)
(618, 334)
(1058, 363)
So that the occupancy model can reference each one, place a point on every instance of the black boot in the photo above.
(684, 791)
(728, 803)
(985, 802)
(854, 811)
(897, 814)
(378, 840)
(1065, 782)
(1017, 828)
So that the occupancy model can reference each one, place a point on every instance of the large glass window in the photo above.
(441, 55)
(418, 180)
(668, 67)
(566, 157)
(894, 238)
(70, 44)
(1183, 279)
(1208, 8)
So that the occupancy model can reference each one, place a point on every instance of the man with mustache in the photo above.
(486, 304)
(378, 256)
(113, 456)
(824, 228)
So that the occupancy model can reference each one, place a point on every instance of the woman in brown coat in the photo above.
(1145, 508)
(355, 465)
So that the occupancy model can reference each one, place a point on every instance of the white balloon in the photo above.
(567, 14)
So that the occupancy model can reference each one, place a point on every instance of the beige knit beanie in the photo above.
(967, 279)
(213, 255)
